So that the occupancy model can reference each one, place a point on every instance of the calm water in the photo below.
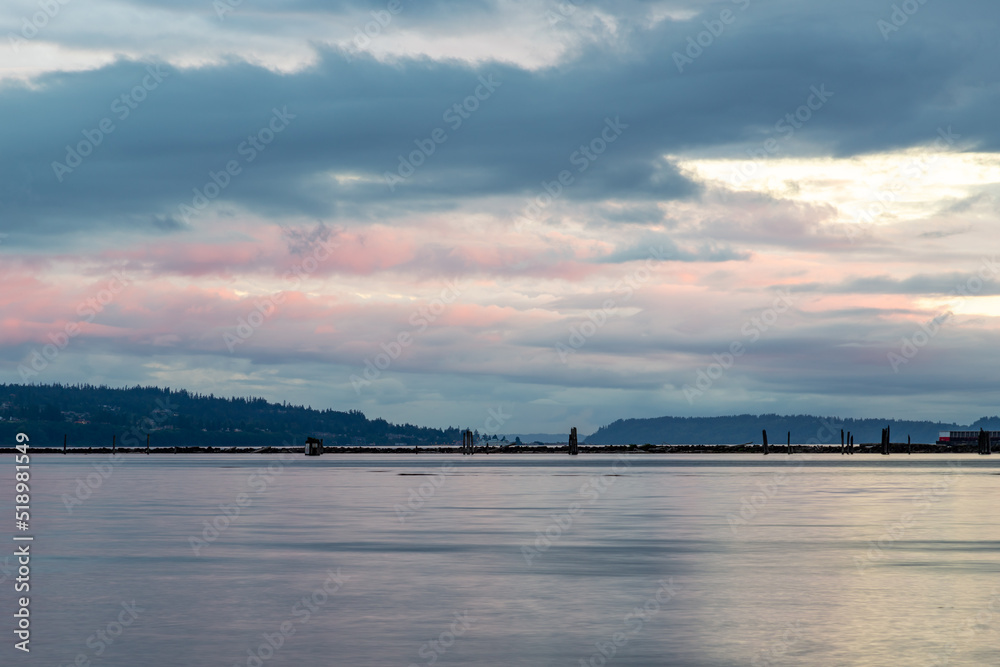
(668, 560)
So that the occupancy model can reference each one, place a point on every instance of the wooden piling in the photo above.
(147, 443)
(788, 447)
(850, 447)
(765, 441)
(64, 443)
(842, 442)
(573, 448)
(113, 437)
(909, 445)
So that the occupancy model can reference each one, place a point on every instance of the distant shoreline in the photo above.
(866, 448)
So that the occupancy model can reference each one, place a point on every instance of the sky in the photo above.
(510, 216)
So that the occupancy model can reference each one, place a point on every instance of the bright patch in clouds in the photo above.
(879, 188)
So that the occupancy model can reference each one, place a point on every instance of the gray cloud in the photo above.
(359, 115)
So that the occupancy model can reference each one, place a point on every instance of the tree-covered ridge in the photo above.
(91, 414)
(737, 429)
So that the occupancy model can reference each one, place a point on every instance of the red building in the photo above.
(963, 437)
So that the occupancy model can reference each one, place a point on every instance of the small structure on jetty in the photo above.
(314, 447)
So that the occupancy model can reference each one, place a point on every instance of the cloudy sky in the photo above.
(570, 212)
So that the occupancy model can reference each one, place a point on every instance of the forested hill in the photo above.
(90, 415)
(747, 428)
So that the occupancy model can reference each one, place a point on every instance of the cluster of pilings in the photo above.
(574, 447)
(985, 446)
(846, 443)
(788, 446)
(468, 444)
(886, 434)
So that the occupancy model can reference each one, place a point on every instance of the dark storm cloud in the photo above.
(358, 116)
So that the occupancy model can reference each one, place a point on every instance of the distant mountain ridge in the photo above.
(737, 429)
(89, 415)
